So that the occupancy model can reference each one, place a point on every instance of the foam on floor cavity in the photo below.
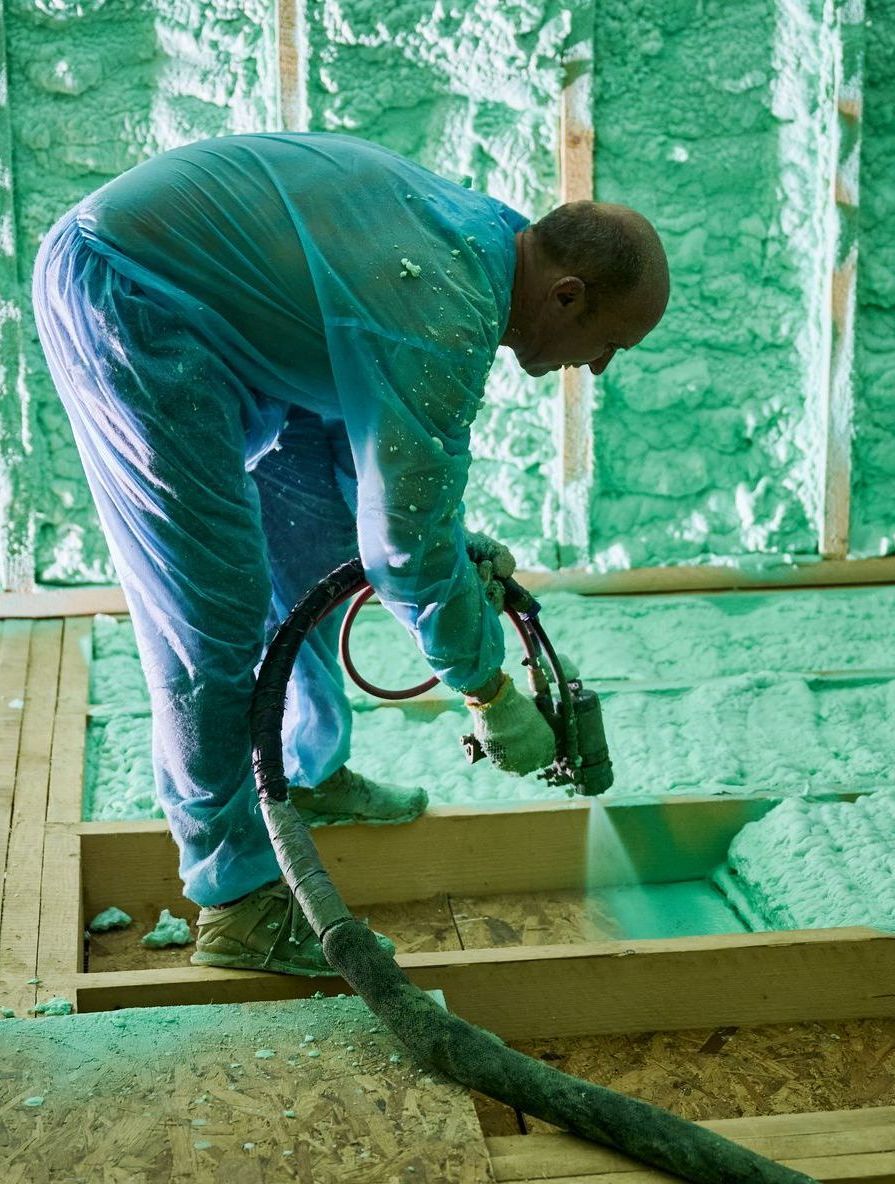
(709, 124)
(94, 89)
(736, 712)
(470, 90)
(808, 865)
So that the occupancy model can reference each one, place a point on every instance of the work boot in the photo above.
(346, 796)
(265, 930)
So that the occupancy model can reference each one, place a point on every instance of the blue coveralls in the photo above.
(271, 348)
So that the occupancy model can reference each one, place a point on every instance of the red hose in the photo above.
(354, 608)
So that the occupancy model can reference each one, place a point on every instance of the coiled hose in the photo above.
(470, 1055)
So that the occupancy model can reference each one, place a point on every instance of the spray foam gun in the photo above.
(581, 763)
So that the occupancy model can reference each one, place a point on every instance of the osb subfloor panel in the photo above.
(181, 1094)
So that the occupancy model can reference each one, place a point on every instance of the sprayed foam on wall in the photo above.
(707, 120)
(470, 90)
(94, 89)
(809, 865)
(873, 456)
(711, 696)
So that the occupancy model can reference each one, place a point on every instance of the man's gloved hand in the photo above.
(512, 732)
(491, 559)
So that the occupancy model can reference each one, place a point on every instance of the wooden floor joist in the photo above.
(785, 576)
(842, 1146)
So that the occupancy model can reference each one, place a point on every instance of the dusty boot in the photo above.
(266, 930)
(350, 797)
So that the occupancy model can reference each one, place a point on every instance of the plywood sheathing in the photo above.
(179, 1095)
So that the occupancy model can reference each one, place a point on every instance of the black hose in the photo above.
(470, 1055)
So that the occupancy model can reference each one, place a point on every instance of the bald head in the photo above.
(591, 279)
(612, 248)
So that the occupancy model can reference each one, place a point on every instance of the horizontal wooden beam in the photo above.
(540, 846)
(840, 1145)
(589, 989)
(74, 602)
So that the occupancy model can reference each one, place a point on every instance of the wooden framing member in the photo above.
(60, 937)
(576, 453)
(533, 847)
(292, 52)
(588, 988)
(836, 395)
(651, 581)
(838, 1145)
(24, 863)
(15, 641)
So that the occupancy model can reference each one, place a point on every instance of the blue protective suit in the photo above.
(271, 348)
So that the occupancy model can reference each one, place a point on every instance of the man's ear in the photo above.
(568, 290)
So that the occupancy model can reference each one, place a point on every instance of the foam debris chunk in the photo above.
(55, 1006)
(169, 931)
(110, 918)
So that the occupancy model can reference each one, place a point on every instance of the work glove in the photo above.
(492, 559)
(512, 732)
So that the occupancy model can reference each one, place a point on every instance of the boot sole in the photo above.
(247, 962)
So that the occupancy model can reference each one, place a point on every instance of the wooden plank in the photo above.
(807, 573)
(837, 398)
(70, 732)
(292, 41)
(841, 1146)
(532, 847)
(601, 987)
(15, 641)
(60, 942)
(660, 580)
(21, 910)
(62, 602)
(576, 447)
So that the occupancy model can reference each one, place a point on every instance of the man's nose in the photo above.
(598, 365)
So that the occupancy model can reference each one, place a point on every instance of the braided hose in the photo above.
(470, 1055)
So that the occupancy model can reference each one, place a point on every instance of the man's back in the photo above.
(263, 238)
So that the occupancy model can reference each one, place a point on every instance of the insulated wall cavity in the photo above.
(873, 450)
(15, 527)
(94, 89)
(470, 90)
(708, 119)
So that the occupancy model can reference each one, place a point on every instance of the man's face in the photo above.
(564, 332)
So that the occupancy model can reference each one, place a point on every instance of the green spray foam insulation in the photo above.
(701, 695)
(93, 90)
